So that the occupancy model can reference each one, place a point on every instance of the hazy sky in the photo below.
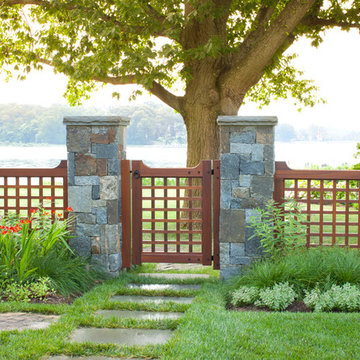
(334, 66)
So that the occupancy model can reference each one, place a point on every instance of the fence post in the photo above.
(247, 182)
(96, 145)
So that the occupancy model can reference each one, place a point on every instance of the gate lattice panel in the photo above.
(174, 214)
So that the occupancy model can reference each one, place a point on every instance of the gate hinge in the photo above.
(212, 171)
(212, 257)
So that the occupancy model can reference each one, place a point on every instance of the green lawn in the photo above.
(206, 331)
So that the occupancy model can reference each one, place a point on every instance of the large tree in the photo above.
(221, 50)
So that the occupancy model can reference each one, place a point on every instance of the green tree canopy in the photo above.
(221, 50)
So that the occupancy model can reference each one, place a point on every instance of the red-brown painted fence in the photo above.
(24, 189)
(329, 198)
(174, 213)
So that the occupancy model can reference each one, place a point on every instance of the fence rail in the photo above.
(329, 198)
(24, 189)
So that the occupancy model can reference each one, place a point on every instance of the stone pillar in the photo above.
(96, 145)
(247, 172)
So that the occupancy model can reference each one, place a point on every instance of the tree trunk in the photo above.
(202, 134)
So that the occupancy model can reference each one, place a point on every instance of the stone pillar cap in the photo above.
(247, 120)
(96, 120)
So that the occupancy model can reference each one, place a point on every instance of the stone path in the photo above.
(175, 276)
(23, 321)
(120, 336)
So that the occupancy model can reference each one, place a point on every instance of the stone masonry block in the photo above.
(241, 149)
(230, 166)
(95, 245)
(112, 237)
(245, 180)
(114, 166)
(87, 180)
(101, 167)
(87, 229)
(112, 212)
(269, 152)
(263, 186)
(224, 140)
(241, 192)
(252, 168)
(101, 215)
(251, 214)
(81, 245)
(71, 168)
(229, 271)
(226, 192)
(253, 245)
(85, 165)
(244, 137)
(105, 151)
(85, 218)
(237, 249)
(269, 166)
(101, 130)
(115, 262)
(232, 224)
(99, 138)
(265, 134)
(95, 192)
(224, 253)
(257, 152)
(101, 261)
(78, 139)
(80, 198)
(235, 204)
(108, 188)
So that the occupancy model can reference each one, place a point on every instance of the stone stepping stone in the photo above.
(163, 287)
(25, 321)
(64, 357)
(175, 276)
(141, 315)
(152, 299)
(130, 337)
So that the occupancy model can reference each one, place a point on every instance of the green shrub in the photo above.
(34, 248)
(279, 227)
(340, 298)
(25, 292)
(245, 296)
(279, 297)
(304, 270)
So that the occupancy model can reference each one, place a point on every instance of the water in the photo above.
(296, 154)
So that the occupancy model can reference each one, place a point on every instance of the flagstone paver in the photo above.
(22, 321)
(138, 337)
(163, 287)
(175, 276)
(153, 299)
(142, 315)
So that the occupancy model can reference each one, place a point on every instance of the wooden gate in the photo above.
(170, 215)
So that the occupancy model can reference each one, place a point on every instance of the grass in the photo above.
(206, 331)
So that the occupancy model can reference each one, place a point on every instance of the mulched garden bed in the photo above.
(297, 306)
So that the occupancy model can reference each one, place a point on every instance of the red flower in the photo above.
(60, 215)
(4, 232)
(69, 209)
(48, 198)
(53, 211)
(22, 221)
(28, 221)
(33, 210)
(46, 213)
(2, 227)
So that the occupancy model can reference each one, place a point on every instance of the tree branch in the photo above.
(312, 20)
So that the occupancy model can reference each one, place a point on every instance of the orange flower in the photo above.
(60, 215)
(46, 213)
(69, 209)
(48, 198)
(33, 210)
(22, 221)
(4, 232)
(28, 221)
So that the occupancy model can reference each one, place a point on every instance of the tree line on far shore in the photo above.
(151, 124)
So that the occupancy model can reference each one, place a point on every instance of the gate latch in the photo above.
(136, 174)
